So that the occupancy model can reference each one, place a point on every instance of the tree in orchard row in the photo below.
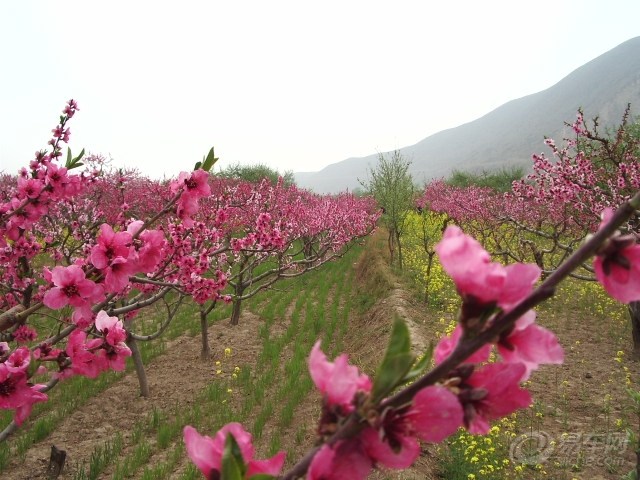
(275, 232)
(592, 172)
(57, 252)
(392, 187)
(546, 216)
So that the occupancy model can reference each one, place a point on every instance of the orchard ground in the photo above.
(257, 375)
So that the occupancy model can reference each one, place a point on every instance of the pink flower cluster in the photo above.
(16, 392)
(117, 256)
(91, 356)
(617, 265)
(487, 287)
(192, 186)
(392, 439)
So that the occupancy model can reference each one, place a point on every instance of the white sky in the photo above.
(296, 85)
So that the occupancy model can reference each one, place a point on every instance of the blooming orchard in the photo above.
(91, 251)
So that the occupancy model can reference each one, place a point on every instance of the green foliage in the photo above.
(256, 173)
(207, 162)
(399, 365)
(73, 162)
(392, 186)
(499, 180)
(396, 363)
(233, 466)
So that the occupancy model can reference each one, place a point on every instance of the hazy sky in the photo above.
(296, 85)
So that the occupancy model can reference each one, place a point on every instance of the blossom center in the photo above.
(7, 387)
(70, 290)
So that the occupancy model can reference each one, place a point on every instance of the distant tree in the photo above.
(392, 186)
(256, 173)
(499, 180)
(359, 192)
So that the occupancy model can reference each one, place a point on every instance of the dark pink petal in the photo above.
(271, 466)
(381, 452)
(504, 395)
(532, 346)
(345, 461)
(446, 345)
(436, 414)
(518, 284)
(621, 283)
(55, 298)
(202, 451)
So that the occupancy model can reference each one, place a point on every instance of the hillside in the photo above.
(509, 134)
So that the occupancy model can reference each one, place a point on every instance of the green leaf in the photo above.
(233, 467)
(261, 476)
(69, 158)
(73, 162)
(209, 161)
(197, 165)
(391, 374)
(420, 366)
(399, 341)
(397, 362)
(77, 159)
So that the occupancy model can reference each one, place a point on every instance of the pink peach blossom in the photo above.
(17, 394)
(206, 452)
(498, 386)
(110, 246)
(470, 266)
(346, 460)
(71, 288)
(531, 345)
(447, 344)
(338, 380)
(617, 268)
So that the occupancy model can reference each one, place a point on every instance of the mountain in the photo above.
(508, 135)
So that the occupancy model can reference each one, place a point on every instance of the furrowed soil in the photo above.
(584, 396)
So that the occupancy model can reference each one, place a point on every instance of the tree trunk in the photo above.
(237, 303)
(391, 243)
(428, 279)
(399, 250)
(56, 463)
(137, 362)
(205, 354)
(235, 313)
(634, 315)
